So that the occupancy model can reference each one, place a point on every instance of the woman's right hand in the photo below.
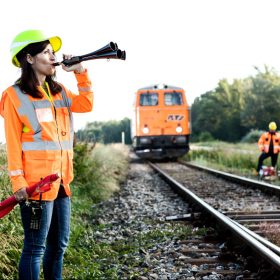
(77, 68)
(21, 194)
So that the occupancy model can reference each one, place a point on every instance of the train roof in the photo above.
(160, 86)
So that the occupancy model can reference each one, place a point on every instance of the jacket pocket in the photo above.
(39, 164)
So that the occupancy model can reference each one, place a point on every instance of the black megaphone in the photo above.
(109, 51)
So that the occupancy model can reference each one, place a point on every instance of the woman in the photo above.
(39, 137)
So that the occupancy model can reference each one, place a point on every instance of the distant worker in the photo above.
(269, 145)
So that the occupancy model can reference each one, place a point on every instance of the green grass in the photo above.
(11, 233)
(238, 158)
(118, 258)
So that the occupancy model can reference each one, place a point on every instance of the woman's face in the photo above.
(42, 63)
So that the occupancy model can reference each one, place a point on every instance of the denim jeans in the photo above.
(49, 241)
(263, 156)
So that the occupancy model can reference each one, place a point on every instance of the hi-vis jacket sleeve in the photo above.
(83, 102)
(13, 131)
(261, 144)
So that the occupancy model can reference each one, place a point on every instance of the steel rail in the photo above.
(247, 181)
(235, 178)
(264, 241)
(255, 244)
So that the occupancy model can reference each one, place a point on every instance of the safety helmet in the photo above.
(272, 126)
(28, 37)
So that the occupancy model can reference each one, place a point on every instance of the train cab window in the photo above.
(149, 99)
(173, 98)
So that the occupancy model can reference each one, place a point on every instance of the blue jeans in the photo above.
(50, 240)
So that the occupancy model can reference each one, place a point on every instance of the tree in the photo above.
(106, 132)
(218, 112)
(262, 102)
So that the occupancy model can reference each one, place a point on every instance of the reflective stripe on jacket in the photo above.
(46, 146)
(264, 142)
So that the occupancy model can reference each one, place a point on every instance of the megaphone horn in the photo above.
(116, 54)
(123, 56)
(108, 48)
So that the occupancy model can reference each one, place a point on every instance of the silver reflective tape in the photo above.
(46, 146)
(27, 109)
(16, 172)
(68, 103)
(59, 104)
(42, 104)
(85, 89)
(20, 44)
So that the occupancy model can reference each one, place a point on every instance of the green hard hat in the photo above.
(27, 37)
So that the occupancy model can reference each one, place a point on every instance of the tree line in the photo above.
(105, 132)
(232, 110)
(228, 113)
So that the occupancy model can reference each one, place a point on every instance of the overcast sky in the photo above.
(186, 43)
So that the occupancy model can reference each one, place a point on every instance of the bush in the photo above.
(98, 171)
(205, 137)
(252, 137)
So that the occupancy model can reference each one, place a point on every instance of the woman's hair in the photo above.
(28, 81)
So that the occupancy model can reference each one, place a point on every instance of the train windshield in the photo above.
(173, 98)
(149, 99)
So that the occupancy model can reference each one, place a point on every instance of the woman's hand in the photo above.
(77, 68)
(21, 194)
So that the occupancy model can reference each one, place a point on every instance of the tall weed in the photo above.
(98, 174)
(11, 233)
(240, 159)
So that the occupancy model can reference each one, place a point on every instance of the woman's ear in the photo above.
(29, 58)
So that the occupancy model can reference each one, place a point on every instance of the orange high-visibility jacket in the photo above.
(39, 134)
(264, 141)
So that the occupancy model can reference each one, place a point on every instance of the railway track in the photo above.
(154, 234)
(237, 204)
(264, 217)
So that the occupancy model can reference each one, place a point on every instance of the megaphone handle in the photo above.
(73, 60)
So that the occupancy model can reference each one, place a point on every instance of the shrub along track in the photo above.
(151, 236)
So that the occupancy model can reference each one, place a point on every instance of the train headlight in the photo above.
(145, 130)
(179, 129)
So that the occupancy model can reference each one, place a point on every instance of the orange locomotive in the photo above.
(160, 127)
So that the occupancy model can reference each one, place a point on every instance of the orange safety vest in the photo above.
(39, 134)
(264, 141)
